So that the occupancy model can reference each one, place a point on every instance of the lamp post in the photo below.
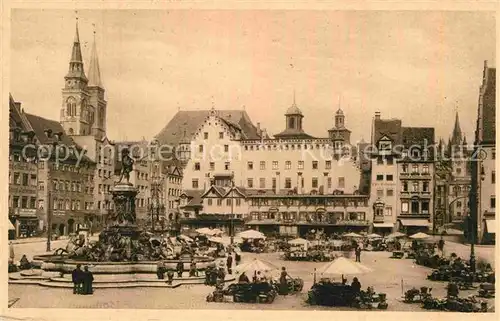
(231, 224)
(56, 137)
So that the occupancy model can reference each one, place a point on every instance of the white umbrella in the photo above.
(216, 239)
(216, 231)
(298, 241)
(396, 235)
(341, 266)
(256, 265)
(352, 235)
(420, 236)
(374, 236)
(251, 234)
(204, 230)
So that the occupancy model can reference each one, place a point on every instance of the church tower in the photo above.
(75, 111)
(96, 91)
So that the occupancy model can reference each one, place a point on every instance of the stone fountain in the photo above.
(123, 248)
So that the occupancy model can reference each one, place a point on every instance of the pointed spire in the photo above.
(94, 70)
(456, 137)
(76, 61)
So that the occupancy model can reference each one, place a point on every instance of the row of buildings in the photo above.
(222, 170)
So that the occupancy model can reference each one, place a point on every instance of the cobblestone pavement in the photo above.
(388, 276)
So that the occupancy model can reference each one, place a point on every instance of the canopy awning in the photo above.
(417, 222)
(387, 225)
(491, 226)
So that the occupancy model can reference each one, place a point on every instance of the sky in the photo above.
(420, 67)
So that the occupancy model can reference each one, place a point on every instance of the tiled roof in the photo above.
(387, 127)
(488, 112)
(419, 137)
(293, 133)
(191, 120)
(40, 124)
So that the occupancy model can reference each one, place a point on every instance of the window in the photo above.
(221, 135)
(405, 168)
(24, 202)
(262, 183)
(329, 182)
(315, 165)
(288, 182)
(380, 177)
(425, 207)
(41, 186)
(404, 207)
(205, 135)
(262, 165)
(226, 148)
(384, 146)
(414, 168)
(195, 183)
(415, 207)
(389, 177)
(250, 166)
(17, 179)
(212, 166)
(228, 202)
(300, 165)
(390, 192)
(425, 186)
(200, 148)
(197, 166)
(415, 187)
(238, 202)
(425, 169)
(380, 193)
(388, 211)
(41, 204)
(390, 161)
(493, 177)
(33, 179)
(341, 182)
(328, 164)
(459, 204)
(380, 161)
(314, 182)
(274, 183)
(250, 183)
(493, 154)
(25, 179)
(275, 165)
(459, 170)
(288, 165)
(492, 202)
(405, 186)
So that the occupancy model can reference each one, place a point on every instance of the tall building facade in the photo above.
(402, 176)
(481, 222)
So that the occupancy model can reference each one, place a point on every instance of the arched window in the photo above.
(71, 106)
(291, 123)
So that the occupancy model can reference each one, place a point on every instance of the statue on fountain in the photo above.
(127, 166)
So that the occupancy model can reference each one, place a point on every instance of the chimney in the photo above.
(377, 115)
(258, 127)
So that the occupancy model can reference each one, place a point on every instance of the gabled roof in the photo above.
(40, 124)
(485, 129)
(191, 120)
(239, 190)
(420, 138)
(387, 127)
(215, 189)
(194, 197)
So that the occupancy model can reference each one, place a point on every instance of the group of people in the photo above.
(82, 280)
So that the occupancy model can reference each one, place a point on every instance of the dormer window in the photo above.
(385, 145)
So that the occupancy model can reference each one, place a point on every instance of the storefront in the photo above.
(383, 228)
(489, 228)
(25, 223)
(413, 225)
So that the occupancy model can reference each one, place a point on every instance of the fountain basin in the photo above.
(56, 263)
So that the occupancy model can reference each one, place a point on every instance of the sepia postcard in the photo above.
(191, 161)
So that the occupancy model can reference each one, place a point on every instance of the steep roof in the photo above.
(40, 124)
(292, 134)
(94, 70)
(485, 129)
(419, 137)
(387, 127)
(191, 120)
(456, 136)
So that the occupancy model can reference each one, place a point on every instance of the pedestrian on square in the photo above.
(76, 277)
(160, 270)
(357, 251)
(180, 269)
(356, 285)
(230, 264)
(192, 269)
(237, 257)
(88, 278)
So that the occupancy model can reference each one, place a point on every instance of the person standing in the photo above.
(357, 251)
(180, 269)
(88, 278)
(230, 264)
(283, 288)
(76, 277)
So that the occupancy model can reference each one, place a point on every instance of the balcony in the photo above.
(378, 219)
(414, 215)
